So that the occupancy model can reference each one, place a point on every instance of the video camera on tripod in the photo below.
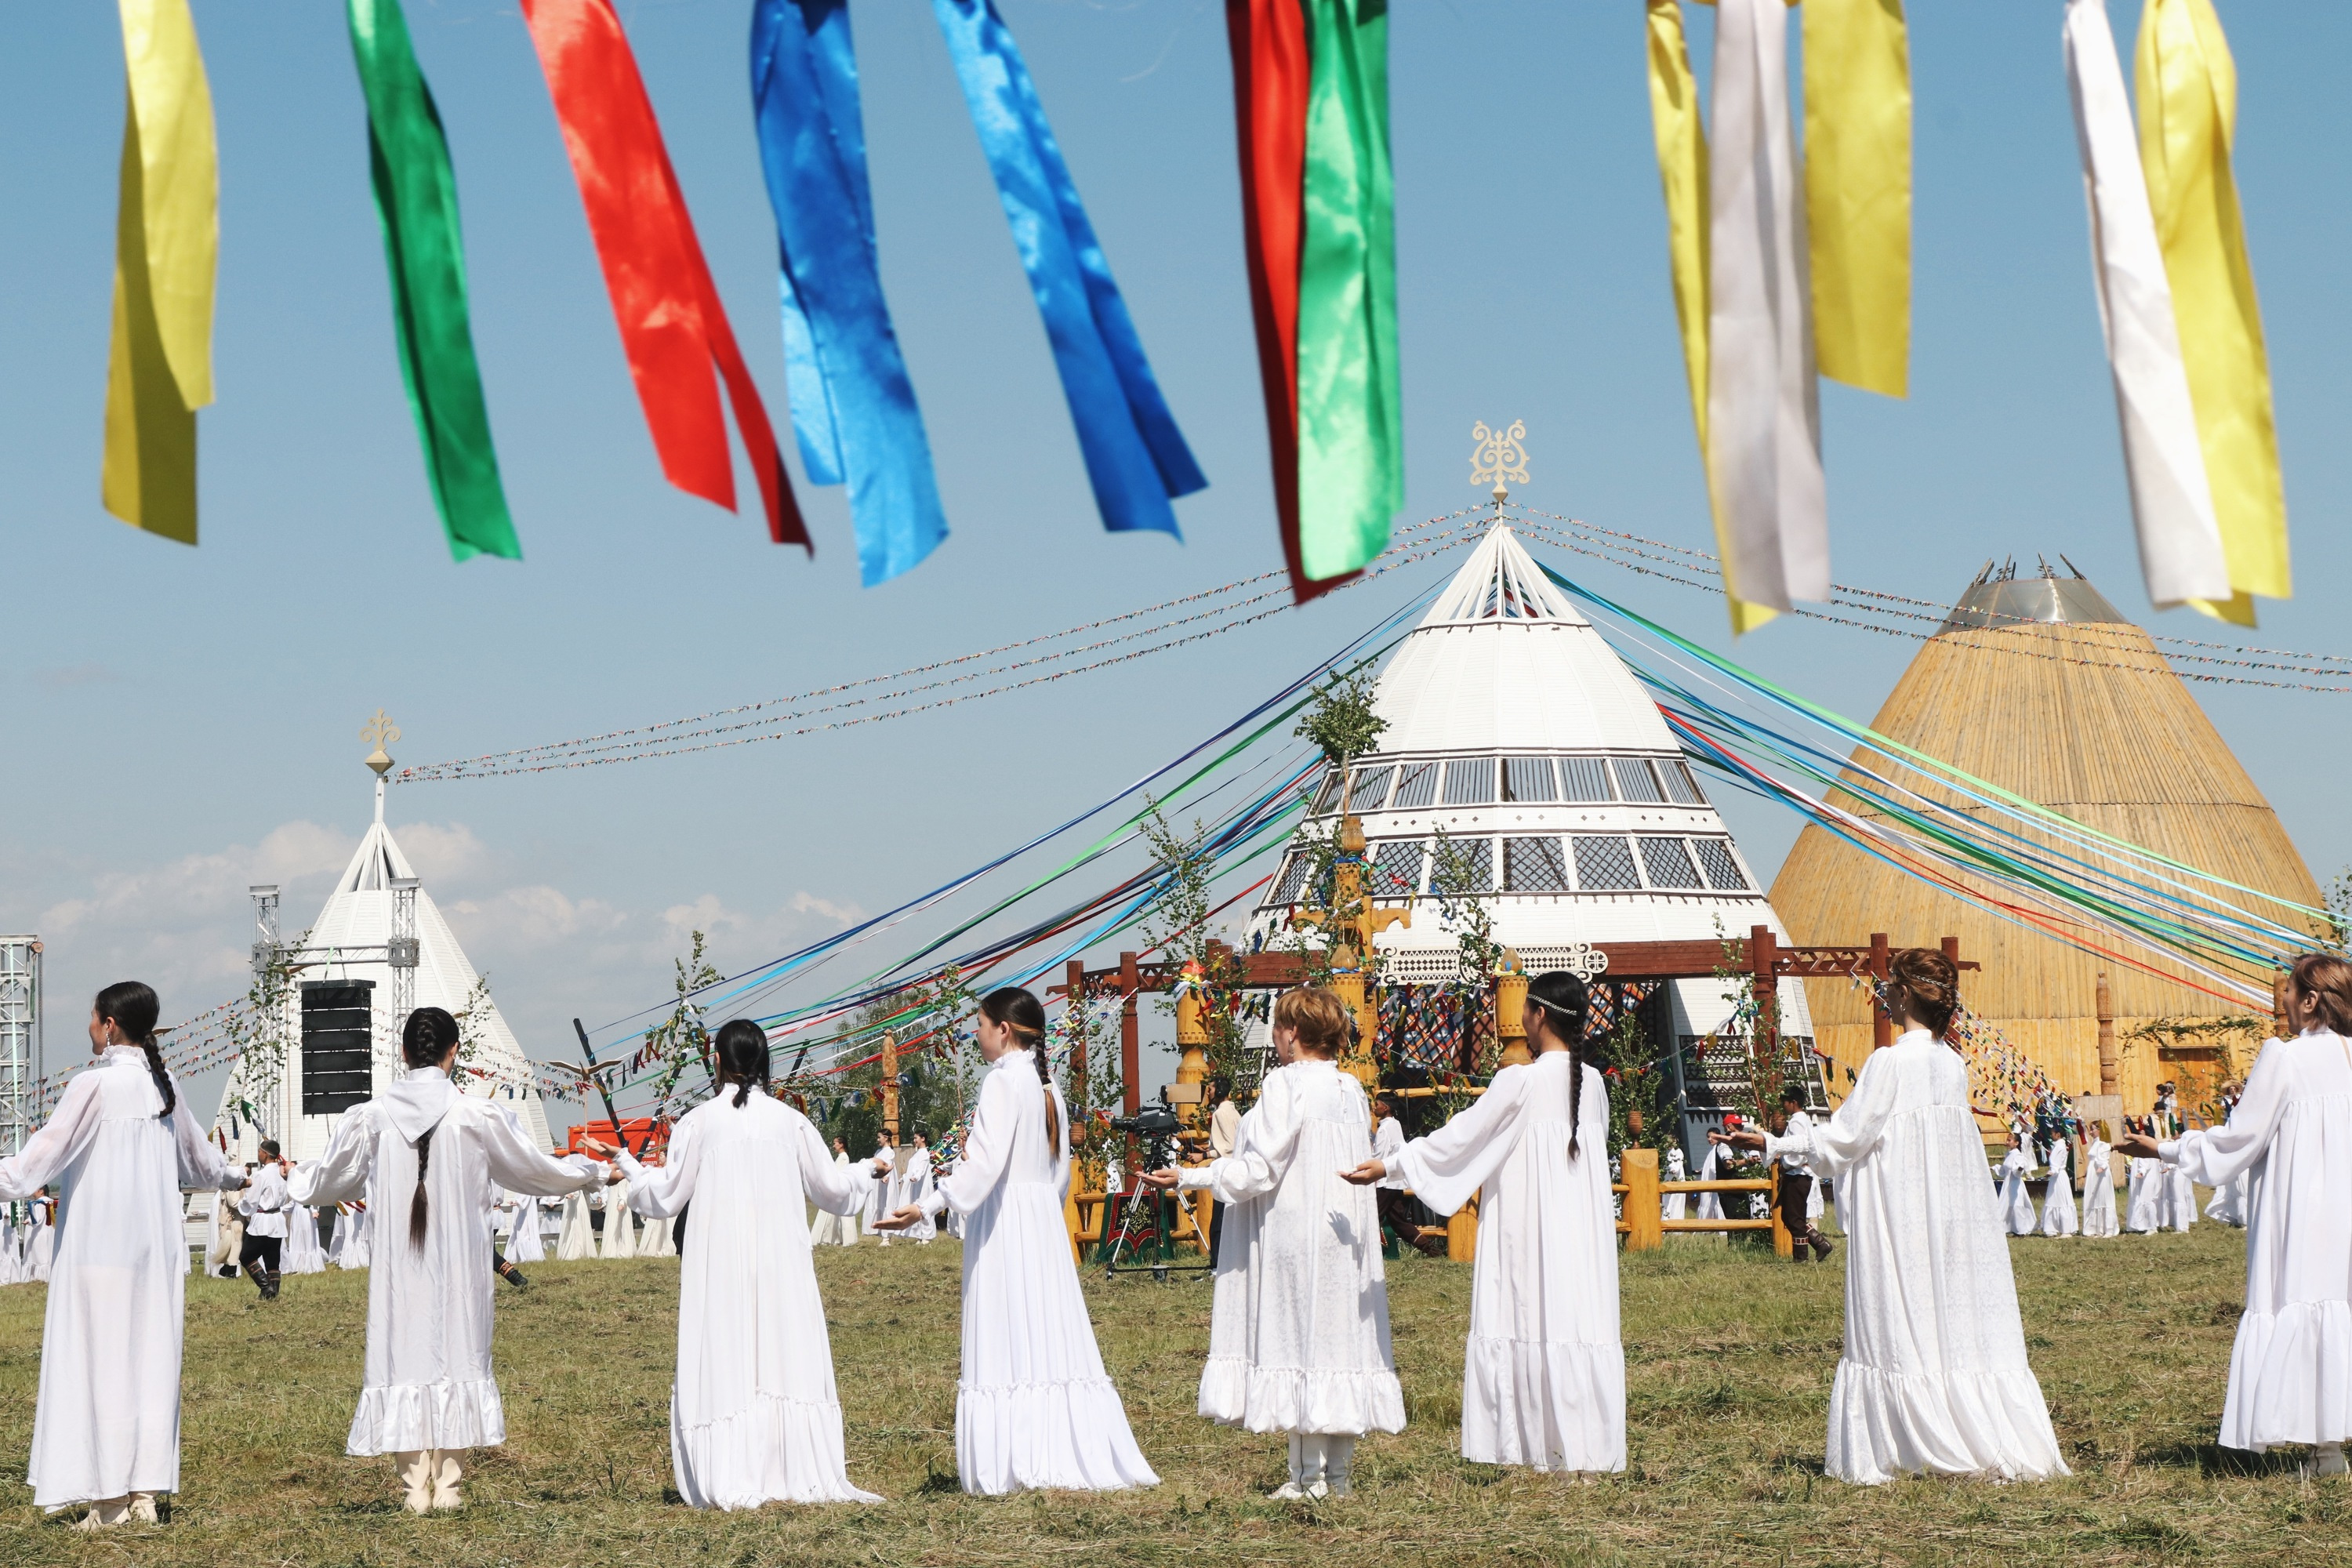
(1157, 1126)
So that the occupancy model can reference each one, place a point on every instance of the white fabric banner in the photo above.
(1763, 414)
(2179, 538)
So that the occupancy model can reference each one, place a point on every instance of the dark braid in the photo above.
(742, 1048)
(132, 1006)
(416, 1200)
(1565, 1006)
(427, 1038)
(1013, 1008)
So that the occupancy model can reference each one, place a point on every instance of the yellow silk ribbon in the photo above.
(166, 239)
(1681, 170)
(1858, 190)
(2187, 88)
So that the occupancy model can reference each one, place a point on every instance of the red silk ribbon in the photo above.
(673, 327)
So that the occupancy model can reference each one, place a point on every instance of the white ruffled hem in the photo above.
(1885, 1425)
(2290, 1377)
(1297, 1399)
(1070, 1436)
(780, 1450)
(410, 1416)
(1548, 1405)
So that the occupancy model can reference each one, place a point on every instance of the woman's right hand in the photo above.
(1365, 1175)
(598, 1147)
(1743, 1139)
(898, 1219)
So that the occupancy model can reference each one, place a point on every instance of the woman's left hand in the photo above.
(1162, 1181)
(1742, 1138)
(2137, 1146)
(598, 1147)
(1365, 1175)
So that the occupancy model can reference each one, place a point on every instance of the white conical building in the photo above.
(345, 980)
(1514, 731)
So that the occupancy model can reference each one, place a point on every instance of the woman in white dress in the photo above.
(2058, 1217)
(841, 1229)
(2291, 1369)
(883, 1199)
(2143, 1183)
(620, 1228)
(303, 1254)
(754, 1414)
(1543, 1375)
(424, 1152)
(1674, 1205)
(2016, 1202)
(1298, 1329)
(917, 1190)
(524, 1245)
(1935, 1376)
(1034, 1407)
(577, 1239)
(106, 1422)
(2099, 1189)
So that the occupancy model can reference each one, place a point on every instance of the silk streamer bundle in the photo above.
(1311, 107)
(166, 241)
(2188, 119)
(853, 405)
(1134, 456)
(424, 255)
(2180, 549)
(673, 327)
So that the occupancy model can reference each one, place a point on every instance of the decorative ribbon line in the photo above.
(673, 327)
(1136, 457)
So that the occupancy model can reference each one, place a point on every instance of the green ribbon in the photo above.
(1350, 408)
(417, 198)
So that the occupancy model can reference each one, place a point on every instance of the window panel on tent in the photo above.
(1294, 878)
(1396, 869)
(1636, 781)
(1416, 788)
(1604, 864)
(1722, 866)
(1370, 789)
(1464, 866)
(1668, 861)
(1584, 780)
(1680, 788)
(1527, 778)
(1470, 780)
(1534, 865)
(1330, 794)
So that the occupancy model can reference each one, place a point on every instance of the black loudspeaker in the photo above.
(338, 1040)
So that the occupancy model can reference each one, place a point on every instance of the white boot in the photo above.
(1314, 1457)
(444, 1481)
(105, 1515)
(1338, 1454)
(1292, 1490)
(2329, 1460)
(414, 1469)
(143, 1508)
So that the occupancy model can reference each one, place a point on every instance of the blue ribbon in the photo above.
(1136, 457)
(852, 405)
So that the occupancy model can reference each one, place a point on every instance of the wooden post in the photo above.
(2280, 1029)
(1462, 1234)
(890, 1085)
(1131, 1038)
(1643, 1218)
(1784, 1240)
(1510, 982)
(2110, 1071)
(1881, 965)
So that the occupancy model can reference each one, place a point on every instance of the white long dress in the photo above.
(1298, 1326)
(1034, 1407)
(2176, 1200)
(754, 1414)
(356, 1249)
(1710, 1204)
(303, 1255)
(44, 1244)
(916, 1192)
(1543, 1375)
(577, 1239)
(2291, 1369)
(2016, 1202)
(2098, 1190)
(2143, 1183)
(2058, 1217)
(620, 1229)
(658, 1238)
(1935, 1375)
(1674, 1205)
(428, 1382)
(107, 1419)
(841, 1229)
(524, 1245)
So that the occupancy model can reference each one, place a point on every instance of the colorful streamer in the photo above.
(2188, 119)
(1858, 190)
(425, 254)
(1134, 456)
(853, 405)
(672, 325)
(166, 243)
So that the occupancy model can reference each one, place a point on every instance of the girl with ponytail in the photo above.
(1543, 1376)
(422, 1154)
(106, 1427)
(747, 1429)
(1034, 1407)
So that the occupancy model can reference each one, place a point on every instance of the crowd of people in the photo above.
(1935, 1376)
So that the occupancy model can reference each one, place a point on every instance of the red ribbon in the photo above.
(673, 327)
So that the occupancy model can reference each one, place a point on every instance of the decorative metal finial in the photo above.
(380, 731)
(1499, 458)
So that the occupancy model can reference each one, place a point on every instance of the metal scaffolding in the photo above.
(20, 1040)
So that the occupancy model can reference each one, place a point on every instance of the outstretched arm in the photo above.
(340, 1174)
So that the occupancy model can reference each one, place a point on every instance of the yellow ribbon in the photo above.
(166, 239)
(1858, 190)
(2187, 88)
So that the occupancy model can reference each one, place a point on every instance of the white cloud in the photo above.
(442, 854)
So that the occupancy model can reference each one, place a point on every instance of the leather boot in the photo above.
(270, 1285)
(260, 1278)
(414, 1469)
(1820, 1244)
(444, 1481)
(511, 1275)
(105, 1515)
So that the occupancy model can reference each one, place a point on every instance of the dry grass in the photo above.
(1730, 1356)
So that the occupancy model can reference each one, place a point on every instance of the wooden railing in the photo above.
(1644, 1224)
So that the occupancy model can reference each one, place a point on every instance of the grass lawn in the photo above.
(1730, 1352)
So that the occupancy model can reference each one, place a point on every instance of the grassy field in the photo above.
(1729, 1354)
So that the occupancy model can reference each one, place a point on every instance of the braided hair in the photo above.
(427, 1038)
(1010, 1007)
(1561, 998)
(132, 1007)
(742, 1048)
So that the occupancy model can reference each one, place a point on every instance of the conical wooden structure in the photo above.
(2040, 686)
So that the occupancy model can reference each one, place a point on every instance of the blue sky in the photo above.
(181, 722)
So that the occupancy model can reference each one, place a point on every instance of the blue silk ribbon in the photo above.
(1136, 457)
(853, 405)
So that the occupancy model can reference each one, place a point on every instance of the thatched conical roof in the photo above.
(2040, 686)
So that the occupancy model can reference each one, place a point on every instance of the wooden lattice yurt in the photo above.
(2037, 684)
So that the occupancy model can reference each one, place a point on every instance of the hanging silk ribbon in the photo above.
(1350, 401)
(1858, 190)
(2181, 553)
(425, 254)
(673, 327)
(853, 405)
(1136, 457)
(1763, 420)
(166, 239)
(2188, 117)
